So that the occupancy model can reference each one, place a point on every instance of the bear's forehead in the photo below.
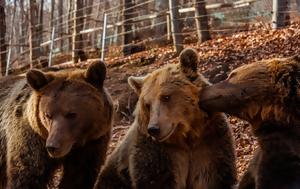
(70, 87)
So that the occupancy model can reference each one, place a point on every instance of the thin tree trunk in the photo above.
(70, 23)
(60, 23)
(41, 19)
(127, 26)
(87, 23)
(281, 17)
(34, 32)
(175, 28)
(160, 30)
(52, 13)
(24, 25)
(78, 26)
(2, 38)
(201, 21)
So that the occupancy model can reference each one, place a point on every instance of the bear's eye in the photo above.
(165, 98)
(48, 116)
(71, 115)
(148, 106)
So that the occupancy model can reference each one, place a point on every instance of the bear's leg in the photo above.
(3, 178)
(279, 171)
(150, 166)
(248, 181)
(82, 165)
(28, 163)
(110, 178)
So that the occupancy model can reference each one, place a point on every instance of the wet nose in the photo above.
(153, 130)
(52, 149)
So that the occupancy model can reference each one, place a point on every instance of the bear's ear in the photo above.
(96, 74)
(188, 63)
(36, 79)
(136, 83)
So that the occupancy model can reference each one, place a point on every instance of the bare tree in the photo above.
(60, 22)
(70, 23)
(160, 29)
(2, 38)
(78, 26)
(88, 17)
(127, 26)
(201, 18)
(281, 15)
(34, 32)
(52, 13)
(23, 25)
(41, 19)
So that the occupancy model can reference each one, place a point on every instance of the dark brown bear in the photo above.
(267, 94)
(172, 144)
(52, 119)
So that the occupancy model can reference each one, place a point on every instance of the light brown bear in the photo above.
(267, 94)
(172, 144)
(52, 119)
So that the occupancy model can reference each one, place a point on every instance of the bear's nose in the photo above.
(52, 149)
(153, 130)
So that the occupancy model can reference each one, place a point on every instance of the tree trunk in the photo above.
(87, 23)
(41, 19)
(161, 29)
(201, 19)
(52, 13)
(60, 23)
(23, 26)
(175, 28)
(127, 26)
(70, 23)
(2, 38)
(78, 26)
(34, 37)
(280, 16)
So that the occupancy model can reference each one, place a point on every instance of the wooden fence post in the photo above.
(177, 37)
(74, 53)
(103, 37)
(168, 27)
(51, 47)
(8, 59)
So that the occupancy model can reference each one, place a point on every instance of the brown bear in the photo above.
(267, 94)
(53, 119)
(172, 143)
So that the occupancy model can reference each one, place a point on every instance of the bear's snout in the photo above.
(154, 130)
(52, 150)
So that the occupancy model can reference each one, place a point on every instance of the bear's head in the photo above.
(69, 108)
(265, 90)
(167, 108)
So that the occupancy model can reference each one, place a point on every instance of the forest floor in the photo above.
(218, 57)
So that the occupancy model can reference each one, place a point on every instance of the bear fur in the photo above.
(267, 94)
(172, 143)
(53, 119)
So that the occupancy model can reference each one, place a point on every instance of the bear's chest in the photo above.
(191, 168)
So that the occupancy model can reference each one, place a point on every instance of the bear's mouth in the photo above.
(173, 128)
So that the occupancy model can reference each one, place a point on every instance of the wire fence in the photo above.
(102, 29)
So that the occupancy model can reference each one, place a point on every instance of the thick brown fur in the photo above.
(267, 94)
(48, 120)
(192, 149)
